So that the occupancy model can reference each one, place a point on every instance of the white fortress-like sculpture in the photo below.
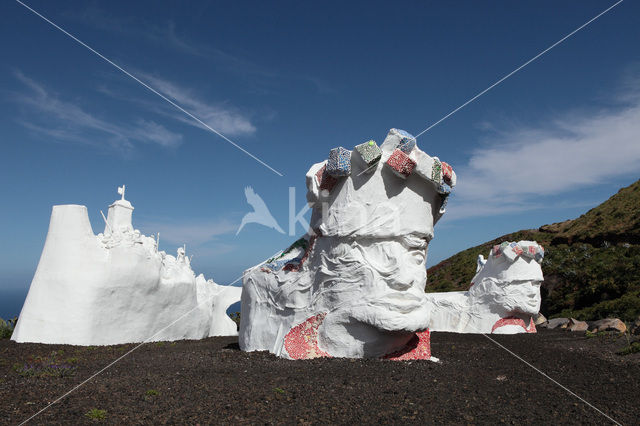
(503, 298)
(354, 285)
(116, 287)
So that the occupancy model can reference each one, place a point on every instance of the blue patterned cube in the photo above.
(407, 144)
(339, 163)
(370, 152)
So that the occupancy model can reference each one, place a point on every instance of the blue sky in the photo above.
(289, 81)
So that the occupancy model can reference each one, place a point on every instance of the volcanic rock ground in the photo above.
(212, 381)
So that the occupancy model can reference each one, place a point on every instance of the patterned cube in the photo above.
(405, 134)
(510, 253)
(516, 249)
(436, 171)
(407, 144)
(533, 250)
(325, 180)
(401, 164)
(370, 152)
(393, 139)
(448, 175)
(339, 163)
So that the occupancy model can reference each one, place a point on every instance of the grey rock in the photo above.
(558, 323)
(635, 327)
(607, 324)
(576, 325)
(539, 319)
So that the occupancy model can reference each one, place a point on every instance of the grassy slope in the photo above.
(591, 265)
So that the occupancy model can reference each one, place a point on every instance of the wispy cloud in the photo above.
(165, 35)
(192, 232)
(62, 120)
(223, 118)
(517, 168)
(260, 79)
(152, 131)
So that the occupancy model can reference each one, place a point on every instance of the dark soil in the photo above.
(211, 381)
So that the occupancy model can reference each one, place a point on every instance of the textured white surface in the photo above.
(504, 296)
(116, 287)
(365, 270)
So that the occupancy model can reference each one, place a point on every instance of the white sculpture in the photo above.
(503, 298)
(354, 285)
(116, 287)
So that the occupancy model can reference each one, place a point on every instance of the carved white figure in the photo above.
(116, 287)
(503, 297)
(354, 285)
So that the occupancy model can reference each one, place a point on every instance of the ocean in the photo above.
(11, 301)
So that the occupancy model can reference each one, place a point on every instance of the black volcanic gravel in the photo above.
(212, 381)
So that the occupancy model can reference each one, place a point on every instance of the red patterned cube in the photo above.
(325, 180)
(401, 164)
(517, 249)
(447, 174)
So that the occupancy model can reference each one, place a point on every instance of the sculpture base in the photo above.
(301, 342)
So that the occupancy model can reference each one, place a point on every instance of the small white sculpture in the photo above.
(503, 297)
(480, 263)
(354, 285)
(182, 256)
(116, 287)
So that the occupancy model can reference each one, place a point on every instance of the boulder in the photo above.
(558, 323)
(607, 324)
(635, 327)
(539, 319)
(576, 325)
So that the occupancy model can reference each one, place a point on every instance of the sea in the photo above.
(11, 301)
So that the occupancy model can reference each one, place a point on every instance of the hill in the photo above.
(591, 265)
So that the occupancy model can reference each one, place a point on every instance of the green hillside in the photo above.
(591, 265)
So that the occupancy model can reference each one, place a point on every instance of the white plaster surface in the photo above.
(115, 287)
(364, 266)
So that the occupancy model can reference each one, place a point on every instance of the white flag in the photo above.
(121, 190)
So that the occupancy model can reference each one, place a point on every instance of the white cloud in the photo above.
(167, 35)
(224, 119)
(66, 121)
(154, 132)
(517, 168)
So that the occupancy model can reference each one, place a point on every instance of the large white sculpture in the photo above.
(503, 297)
(354, 285)
(116, 287)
